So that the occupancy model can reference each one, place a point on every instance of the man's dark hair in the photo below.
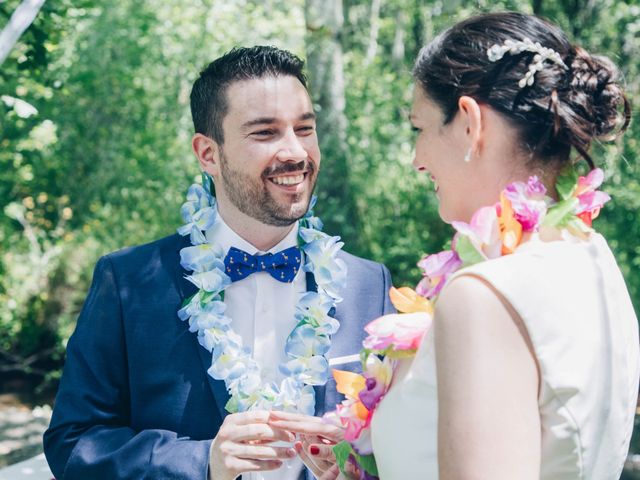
(209, 102)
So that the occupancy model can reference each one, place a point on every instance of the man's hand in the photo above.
(242, 445)
(317, 440)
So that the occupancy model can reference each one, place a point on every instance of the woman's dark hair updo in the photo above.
(563, 108)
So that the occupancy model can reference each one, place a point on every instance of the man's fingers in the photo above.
(259, 433)
(260, 452)
(289, 416)
(309, 428)
(246, 418)
(241, 465)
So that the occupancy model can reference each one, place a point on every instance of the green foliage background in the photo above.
(106, 160)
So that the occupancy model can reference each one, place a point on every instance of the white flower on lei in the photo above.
(198, 213)
(330, 272)
(314, 308)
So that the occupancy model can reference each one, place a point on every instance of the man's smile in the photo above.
(288, 179)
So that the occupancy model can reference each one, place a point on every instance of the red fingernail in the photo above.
(314, 449)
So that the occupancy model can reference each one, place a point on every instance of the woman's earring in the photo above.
(467, 156)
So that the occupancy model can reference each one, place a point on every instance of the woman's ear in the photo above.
(470, 115)
(207, 151)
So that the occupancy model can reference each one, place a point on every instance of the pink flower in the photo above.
(354, 418)
(591, 182)
(363, 445)
(402, 331)
(529, 202)
(590, 200)
(535, 188)
(483, 232)
(437, 269)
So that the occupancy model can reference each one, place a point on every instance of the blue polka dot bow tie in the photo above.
(283, 265)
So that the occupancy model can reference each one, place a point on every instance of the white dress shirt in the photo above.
(262, 311)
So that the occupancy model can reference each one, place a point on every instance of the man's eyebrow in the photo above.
(308, 116)
(258, 121)
(270, 120)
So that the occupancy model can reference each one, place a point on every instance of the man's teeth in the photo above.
(288, 180)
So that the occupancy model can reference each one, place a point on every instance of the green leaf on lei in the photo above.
(567, 183)
(577, 226)
(342, 451)
(467, 252)
(368, 463)
(232, 405)
(400, 354)
(206, 297)
(187, 301)
(561, 213)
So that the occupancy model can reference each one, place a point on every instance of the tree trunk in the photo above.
(374, 21)
(324, 20)
(537, 6)
(22, 17)
(398, 51)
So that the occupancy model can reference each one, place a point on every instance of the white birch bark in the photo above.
(22, 17)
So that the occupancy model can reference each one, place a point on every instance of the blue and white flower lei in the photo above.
(309, 340)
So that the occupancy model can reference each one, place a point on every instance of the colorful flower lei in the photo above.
(493, 231)
(310, 338)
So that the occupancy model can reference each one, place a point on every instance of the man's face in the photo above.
(270, 158)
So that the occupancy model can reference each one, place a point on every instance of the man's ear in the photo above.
(471, 116)
(207, 151)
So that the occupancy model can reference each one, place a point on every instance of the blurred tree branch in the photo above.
(23, 16)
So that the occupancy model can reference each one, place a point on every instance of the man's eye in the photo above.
(263, 133)
(415, 129)
(307, 129)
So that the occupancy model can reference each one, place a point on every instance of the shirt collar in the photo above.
(225, 237)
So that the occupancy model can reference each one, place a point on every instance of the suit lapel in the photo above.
(218, 388)
(187, 289)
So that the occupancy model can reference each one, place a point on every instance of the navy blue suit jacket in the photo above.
(135, 400)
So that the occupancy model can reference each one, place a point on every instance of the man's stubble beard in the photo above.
(252, 197)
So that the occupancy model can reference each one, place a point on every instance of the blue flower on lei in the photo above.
(198, 214)
(329, 271)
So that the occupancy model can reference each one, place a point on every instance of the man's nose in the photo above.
(292, 149)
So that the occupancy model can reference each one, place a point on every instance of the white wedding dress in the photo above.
(573, 301)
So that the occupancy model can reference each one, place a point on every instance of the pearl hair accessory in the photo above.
(514, 47)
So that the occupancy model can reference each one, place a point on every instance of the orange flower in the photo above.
(510, 228)
(348, 383)
(406, 300)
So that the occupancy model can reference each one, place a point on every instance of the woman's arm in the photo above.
(488, 419)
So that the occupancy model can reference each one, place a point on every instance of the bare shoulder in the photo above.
(471, 302)
(473, 319)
